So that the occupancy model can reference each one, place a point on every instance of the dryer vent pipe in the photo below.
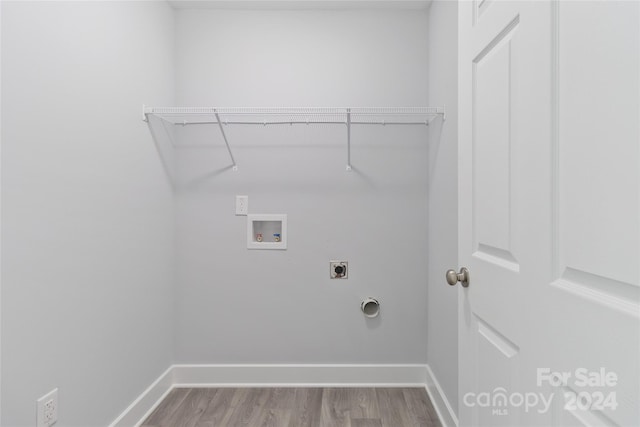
(370, 307)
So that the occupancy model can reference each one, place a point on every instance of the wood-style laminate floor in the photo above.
(295, 407)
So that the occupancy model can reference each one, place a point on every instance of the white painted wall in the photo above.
(87, 244)
(442, 324)
(87, 202)
(0, 216)
(236, 305)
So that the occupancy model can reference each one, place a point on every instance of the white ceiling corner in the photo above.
(299, 4)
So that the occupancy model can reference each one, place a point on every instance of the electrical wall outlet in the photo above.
(338, 269)
(242, 205)
(47, 409)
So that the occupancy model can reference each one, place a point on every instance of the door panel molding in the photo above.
(502, 35)
(493, 208)
(598, 286)
(479, 8)
(612, 294)
(585, 418)
(502, 343)
(497, 256)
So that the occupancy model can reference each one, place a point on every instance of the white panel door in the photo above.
(549, 213)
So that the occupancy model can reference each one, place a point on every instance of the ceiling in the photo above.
(299, 4)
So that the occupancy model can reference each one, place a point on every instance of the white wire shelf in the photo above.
(186, 116)
(296, 115)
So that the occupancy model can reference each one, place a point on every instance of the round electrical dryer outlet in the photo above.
(338, 269)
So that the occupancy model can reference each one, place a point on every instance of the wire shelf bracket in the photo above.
(348, 139)
(185, 116)
(226, 142)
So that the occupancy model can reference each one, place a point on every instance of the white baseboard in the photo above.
(231, 375)
(142, 407)
(440, 402)
(298, 375)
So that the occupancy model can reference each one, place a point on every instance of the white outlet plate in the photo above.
(342, 271)
(47, 409)
(242, 205)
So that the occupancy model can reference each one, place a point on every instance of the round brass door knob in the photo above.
(462, 277)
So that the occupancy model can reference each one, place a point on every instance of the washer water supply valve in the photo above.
(338, 269)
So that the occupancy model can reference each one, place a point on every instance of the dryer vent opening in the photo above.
(370, 307)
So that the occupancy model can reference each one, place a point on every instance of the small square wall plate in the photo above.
(266, 231)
